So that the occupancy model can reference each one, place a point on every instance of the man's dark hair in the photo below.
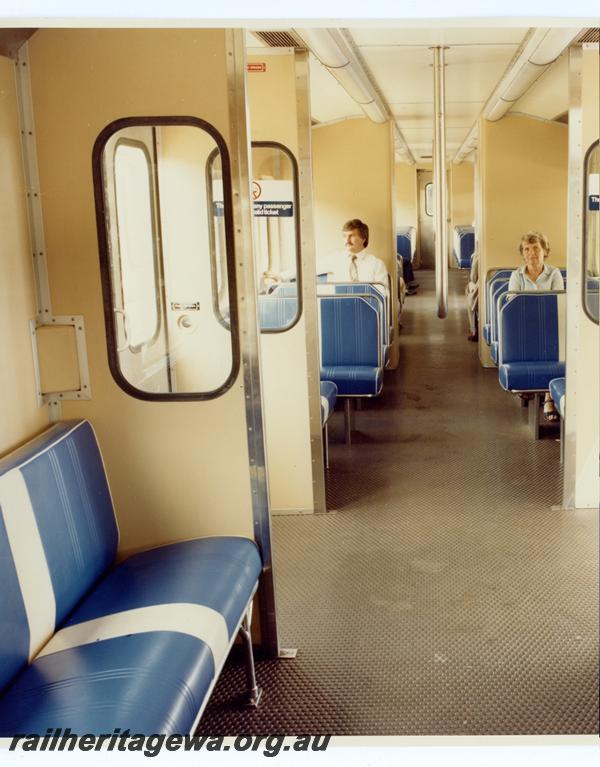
(356, 223)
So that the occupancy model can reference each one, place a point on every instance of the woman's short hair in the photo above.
(356, 223)
(531, 237)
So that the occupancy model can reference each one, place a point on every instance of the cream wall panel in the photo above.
(524, 186)
(461, 196)
(176, 469)
(406, 195)
(587, 361)
(272, 103)
(20, 416)
(461, 201)
(352, 173)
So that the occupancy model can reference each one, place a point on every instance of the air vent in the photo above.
(279, 39)
(591, 35)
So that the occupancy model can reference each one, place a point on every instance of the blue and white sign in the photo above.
(272, 198)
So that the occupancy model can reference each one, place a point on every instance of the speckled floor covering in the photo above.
(442, 594)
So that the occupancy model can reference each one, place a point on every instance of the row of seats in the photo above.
(355, 338)
(94, 645)
(406, 243)
(496, 296)
(463, 246)
(526, 335)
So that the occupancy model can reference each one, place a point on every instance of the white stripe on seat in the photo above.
(29, 557)
(561, 304)
(196, 620)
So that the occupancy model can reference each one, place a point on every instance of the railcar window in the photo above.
(276, 236)
(591, 241)
(157, 230)
(276, 230)
(136, 232)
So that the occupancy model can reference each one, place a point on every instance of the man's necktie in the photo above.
(353, 269)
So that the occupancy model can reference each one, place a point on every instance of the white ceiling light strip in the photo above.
(539, 50)
(330, 48)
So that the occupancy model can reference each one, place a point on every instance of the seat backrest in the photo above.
(375, 297)
(491, 277)
(467, 242)
(533, 327)
(404, 244)
(499, 289)
(350, 331)
(58, 534)
(284, 289)
(276, 312)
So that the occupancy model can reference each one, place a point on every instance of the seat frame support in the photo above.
(254, 692)
(348, 419)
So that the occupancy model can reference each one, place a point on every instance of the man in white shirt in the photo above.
(353, 264)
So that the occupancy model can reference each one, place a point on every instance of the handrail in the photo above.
(439, 184)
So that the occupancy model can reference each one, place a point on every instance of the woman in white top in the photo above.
(537, 275)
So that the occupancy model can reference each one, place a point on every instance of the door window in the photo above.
(167, 335)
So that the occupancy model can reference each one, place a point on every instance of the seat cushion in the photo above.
(529, 376)
(358, 380)
(557, 388)
(148, 683)
(143, 648)
(328, 398)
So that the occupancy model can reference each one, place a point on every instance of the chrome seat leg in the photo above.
(348, 420)
(254, 691)
(534, 415)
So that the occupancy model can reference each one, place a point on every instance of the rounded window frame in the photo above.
(297, 235)
(594, 146)
(102, 224)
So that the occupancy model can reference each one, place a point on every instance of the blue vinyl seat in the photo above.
(277, 311)
(532, 341)
(405, 243)
(92, 645)
(464, 246)
(498, 292)
(351, 350)
(378, 299)
(328, 398)
(557, 389)
(491, 279)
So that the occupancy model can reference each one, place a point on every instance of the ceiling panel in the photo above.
(457, 113)
(549, 96)
(406, 74)
(470, 36)
(328, 100)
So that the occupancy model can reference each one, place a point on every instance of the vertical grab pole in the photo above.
(440, 183)
(239, 145)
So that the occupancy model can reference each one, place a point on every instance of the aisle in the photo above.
(443, 595)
